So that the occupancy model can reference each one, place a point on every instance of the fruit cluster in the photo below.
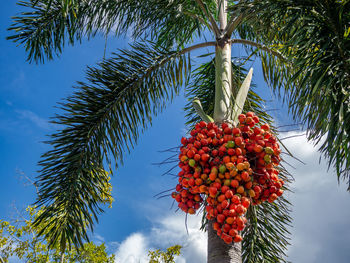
(229, 168)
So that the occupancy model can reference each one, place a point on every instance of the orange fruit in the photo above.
(240, 166)
(234, 183)
(240, 190)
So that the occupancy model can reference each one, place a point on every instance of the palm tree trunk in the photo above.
(218, 250)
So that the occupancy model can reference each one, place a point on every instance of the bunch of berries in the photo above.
(230, 168)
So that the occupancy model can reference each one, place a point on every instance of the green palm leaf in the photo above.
(105, 115)
(314, 36)
(50, 24)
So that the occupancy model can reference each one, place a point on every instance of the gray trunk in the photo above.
(219, 251)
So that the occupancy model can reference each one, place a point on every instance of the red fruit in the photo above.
(221, 198)
(190, 154)
(228, 239)
(203, 124)
(257, 189)
(236, 131)
(266, 127)
(235, 199)
(233, 232)
(239, 221)
(240, 209)
(220, 218)
(258, 148)
(183, 140)
(216, 226)
(245, 202)
(272, 198)
(238, 238)
(226, 212)
(250, 114)
(239, 151)
(224, 189)
(249, 120)
(229, 194)
(191, 182)
(226, 228)
(231, 151)
(213, 191)
(178, 198)
(241, 118)
(227, 130)
(198, 181)
(217, 185)
(204, 142)
(234, 183)
(238, 141)
(222, 149)
(224, 125)
(214, 152)
(205, 157)
(224, 204)
(279, 192)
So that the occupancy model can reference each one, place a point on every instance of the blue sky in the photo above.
(137, 221)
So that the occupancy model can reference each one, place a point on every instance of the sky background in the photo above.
(138, 221)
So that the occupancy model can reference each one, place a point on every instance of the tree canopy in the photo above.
(304, 48)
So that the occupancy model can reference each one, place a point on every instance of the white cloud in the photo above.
(320, 208)
(36, 119)
(167, 231)
(133, 249)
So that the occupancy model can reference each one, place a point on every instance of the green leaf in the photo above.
(104, 116)
(315, 81)
(47, 25)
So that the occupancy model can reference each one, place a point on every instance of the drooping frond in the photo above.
(266, 236)
(47, 25)
(315, 36)
(104, 116)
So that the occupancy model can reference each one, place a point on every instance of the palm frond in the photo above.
(47, 25)
(315, 37)
(266, 235)
(104, 116)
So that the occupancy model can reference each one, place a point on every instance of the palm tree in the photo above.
(107, 112)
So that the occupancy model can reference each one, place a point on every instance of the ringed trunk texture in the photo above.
(219, 251)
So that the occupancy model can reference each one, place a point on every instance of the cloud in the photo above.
(133, 249)
(35, 119)
(320, 232)
(167, 231)
(321, 211)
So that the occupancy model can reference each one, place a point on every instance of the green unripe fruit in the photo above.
(222, 169)
(269, 150)
(191, 162)
(267, 158)
(227, 182)
(230, 144)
